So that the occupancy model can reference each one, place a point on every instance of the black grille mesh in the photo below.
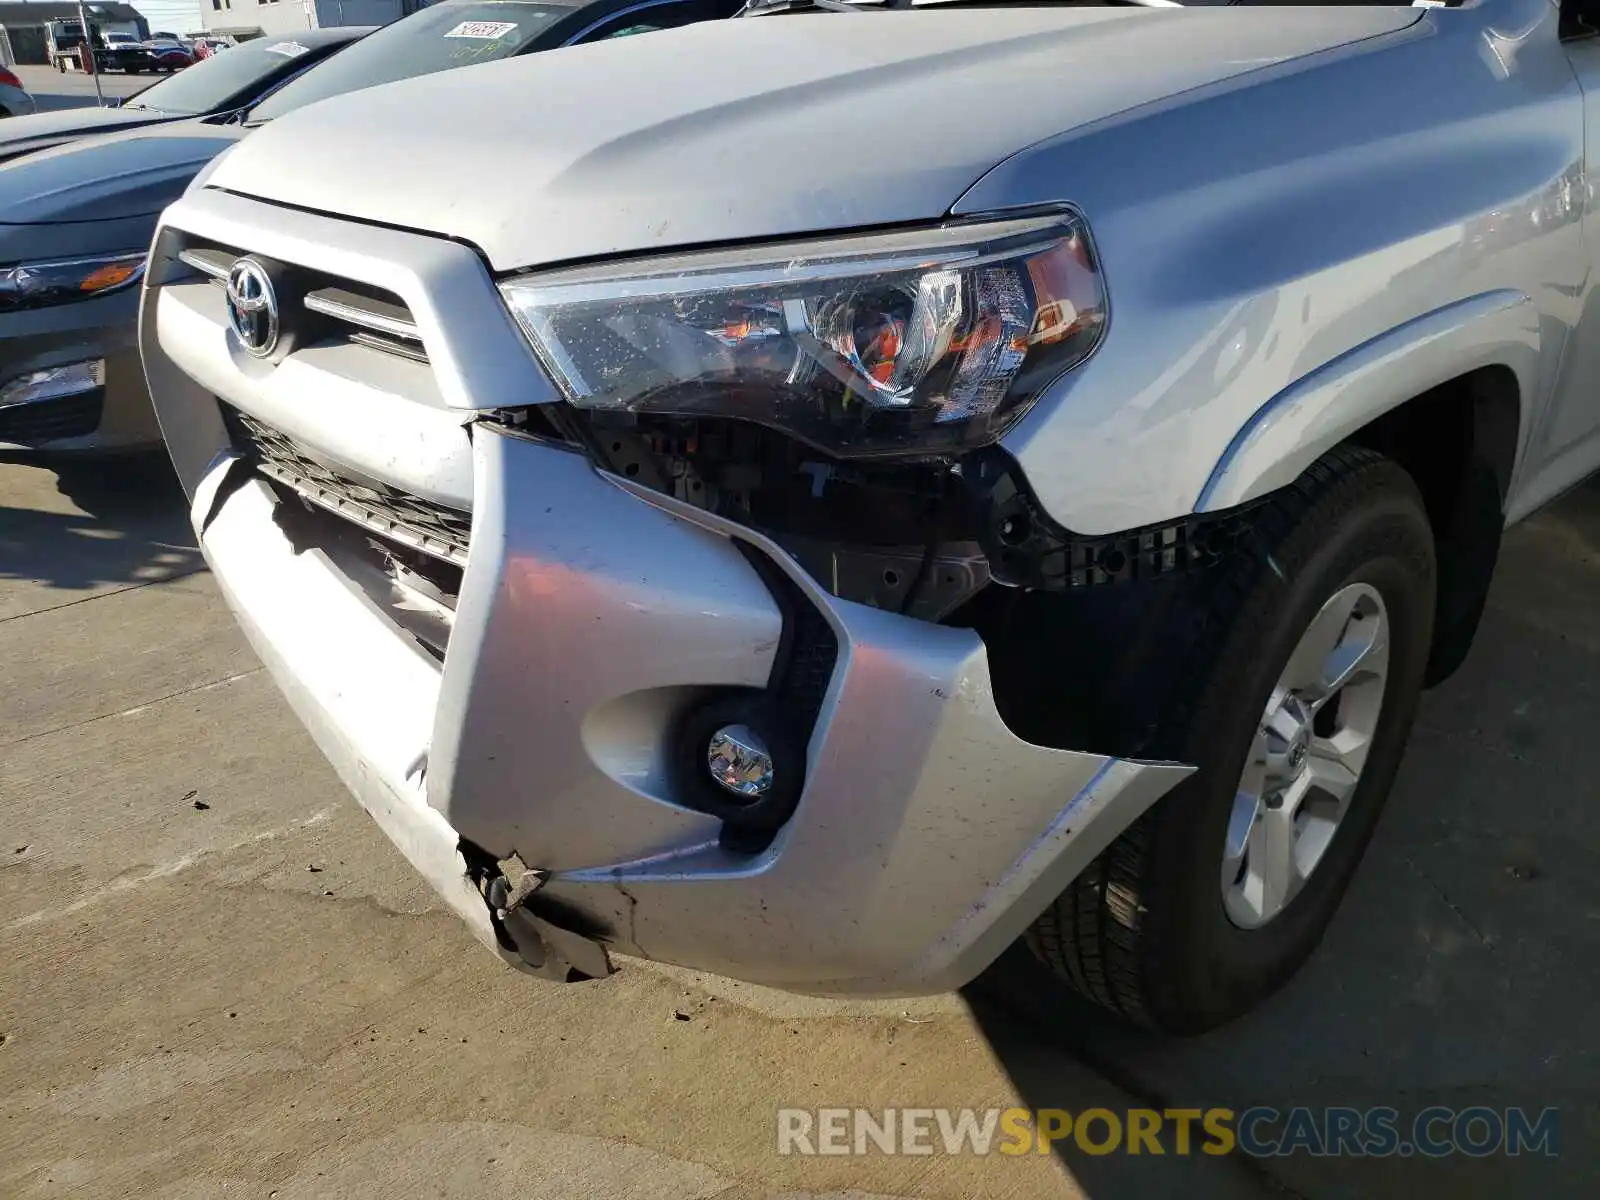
(434, 529)
(46, 420)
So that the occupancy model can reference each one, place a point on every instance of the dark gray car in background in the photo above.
(75, 228)
(214, 88)
(76, 221)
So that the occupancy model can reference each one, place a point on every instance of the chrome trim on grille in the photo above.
(385, 325)
(399, 347)
(214, 263)
(342, 305)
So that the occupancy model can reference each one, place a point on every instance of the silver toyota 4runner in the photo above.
(821, 496)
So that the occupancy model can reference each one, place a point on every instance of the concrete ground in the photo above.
(73, 89)
(219, 979)
(257, 997)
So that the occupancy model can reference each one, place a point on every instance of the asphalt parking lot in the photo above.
(54, 89)
(220, 980)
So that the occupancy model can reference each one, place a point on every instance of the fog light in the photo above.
(54, 383)
(739, 761)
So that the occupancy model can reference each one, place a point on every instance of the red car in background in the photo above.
(168, 56)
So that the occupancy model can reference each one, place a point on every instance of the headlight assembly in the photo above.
(910, 342)
(34, 285)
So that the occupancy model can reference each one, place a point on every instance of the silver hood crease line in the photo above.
(605, 177)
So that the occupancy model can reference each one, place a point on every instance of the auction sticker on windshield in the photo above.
(288, 49)
(482, 29)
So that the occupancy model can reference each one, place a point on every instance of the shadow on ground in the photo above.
(105, 523)
(1464, 965)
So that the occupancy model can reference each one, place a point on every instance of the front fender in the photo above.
(1317, 412)
(1318, 222)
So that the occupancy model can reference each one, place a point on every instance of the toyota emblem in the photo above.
(252, 307)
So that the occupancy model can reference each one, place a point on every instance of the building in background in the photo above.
(244, 19)
(180, 17)
(24, 24)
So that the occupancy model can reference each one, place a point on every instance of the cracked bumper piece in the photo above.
(590, 617)
(310, 628)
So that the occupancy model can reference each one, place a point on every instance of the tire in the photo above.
(1145, 931)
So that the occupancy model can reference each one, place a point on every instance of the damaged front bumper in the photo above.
(523, 724)
(927, 836)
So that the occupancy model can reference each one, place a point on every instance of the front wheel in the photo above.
(1302, 683)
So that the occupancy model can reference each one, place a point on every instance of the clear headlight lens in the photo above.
(907, 342)
(34, 285)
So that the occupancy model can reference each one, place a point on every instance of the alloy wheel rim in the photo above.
(1306, 758)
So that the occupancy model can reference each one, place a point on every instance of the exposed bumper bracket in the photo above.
(507, 892)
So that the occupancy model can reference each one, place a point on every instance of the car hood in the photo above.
(111, 177)
(750, 128)
(21, 135)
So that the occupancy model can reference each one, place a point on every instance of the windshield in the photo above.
(211, 82)
(435, 39)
